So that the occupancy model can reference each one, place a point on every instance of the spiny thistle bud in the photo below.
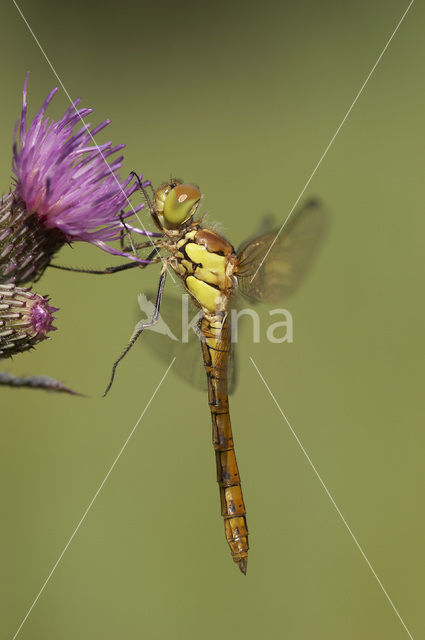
(25, 319)
(65, 190)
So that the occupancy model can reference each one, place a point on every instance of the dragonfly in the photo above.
(267, 269)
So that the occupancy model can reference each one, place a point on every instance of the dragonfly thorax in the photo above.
(205, 261)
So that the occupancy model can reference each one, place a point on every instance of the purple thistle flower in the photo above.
(65, 190)
(25, 319)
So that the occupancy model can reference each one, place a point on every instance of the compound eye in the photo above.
(181, 204)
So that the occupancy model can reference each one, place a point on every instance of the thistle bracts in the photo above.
(25, 319)
(26, 246)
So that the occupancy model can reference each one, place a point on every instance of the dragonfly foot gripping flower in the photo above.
(66, 190)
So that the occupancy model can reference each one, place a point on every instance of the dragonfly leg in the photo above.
(141, 327)
(148, 201)
(143, 190)
(123, 232)
(142, 245)
(121, 267)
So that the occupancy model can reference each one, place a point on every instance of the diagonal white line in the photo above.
(333, 137)
(332, 500)
(85, 125)
(111, 468)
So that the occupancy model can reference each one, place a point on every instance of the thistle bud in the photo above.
(25, 319)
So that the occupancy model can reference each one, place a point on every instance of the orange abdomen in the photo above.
(216, 348)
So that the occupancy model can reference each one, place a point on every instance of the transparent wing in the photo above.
(267, 224)
(272, 266)
(173, 336)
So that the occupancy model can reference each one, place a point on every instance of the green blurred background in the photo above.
(241, 99)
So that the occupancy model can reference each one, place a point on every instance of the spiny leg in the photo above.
(152, 189)
(143, 245)
(151, 208)
(141, 327)
(143, 190)
(121, 267)
(124, 231)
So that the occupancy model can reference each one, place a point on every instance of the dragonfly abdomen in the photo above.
(215, 347)
(232, 503)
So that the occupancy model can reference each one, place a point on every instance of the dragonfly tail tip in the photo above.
(243, 565)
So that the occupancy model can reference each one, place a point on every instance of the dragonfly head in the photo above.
(176, 203)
